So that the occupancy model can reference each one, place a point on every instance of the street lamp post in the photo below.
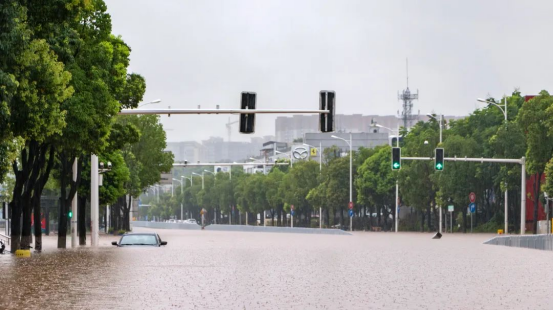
(397, 183)
(214, 209)
(504, 110)
(350, 173)
(189, 178)
(320, 151)
(202, 176)
(156, 101)
(181, 208)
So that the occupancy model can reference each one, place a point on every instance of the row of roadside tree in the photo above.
(422, 190)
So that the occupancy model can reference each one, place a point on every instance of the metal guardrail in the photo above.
(539, 241)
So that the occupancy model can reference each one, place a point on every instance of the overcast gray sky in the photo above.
(207, 52)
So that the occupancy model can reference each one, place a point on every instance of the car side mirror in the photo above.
(163, 242)
(114, 243)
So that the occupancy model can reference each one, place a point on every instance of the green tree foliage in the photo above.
(376, 183)
(532, 118)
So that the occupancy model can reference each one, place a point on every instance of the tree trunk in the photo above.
(25, 179)
(37, 193)
(81, 220)
(38, 221)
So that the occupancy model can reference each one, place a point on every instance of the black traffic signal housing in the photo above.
(396, 158)
(439, 159)
(327, 101)
(247, 120)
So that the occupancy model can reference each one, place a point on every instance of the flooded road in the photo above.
(242, 270)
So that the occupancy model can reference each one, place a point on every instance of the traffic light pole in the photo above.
(521, 161)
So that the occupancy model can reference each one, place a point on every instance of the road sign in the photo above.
(472, 197)
(292, 207)
(292, 212)
(350, 213)
(313, 152)
(350, 205)
(450, 208)
(472, 207)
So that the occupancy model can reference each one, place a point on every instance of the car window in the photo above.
(138, 240)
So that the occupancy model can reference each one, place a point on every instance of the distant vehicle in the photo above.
(172, 221)
(191, 221)
(139, 239)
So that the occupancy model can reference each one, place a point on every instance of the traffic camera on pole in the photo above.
(247, 120)
(439, 159)
(396, 158)
(327, 102)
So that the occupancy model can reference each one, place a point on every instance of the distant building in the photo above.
(215, 149)
(367, 140)
(289, 128)
(185, 150)
(268, 149)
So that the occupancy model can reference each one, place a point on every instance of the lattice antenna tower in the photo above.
(407, 97)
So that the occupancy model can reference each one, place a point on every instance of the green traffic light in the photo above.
(439, 166)
(396, 165)
(70, 214)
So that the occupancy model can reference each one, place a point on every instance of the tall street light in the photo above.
(202, 176)
(214, 209)
(397, 182)
(156, 101)
(504, 110)
(181, 208)
(432, 116)
(350, 173)
(189, 178)
(320, 150)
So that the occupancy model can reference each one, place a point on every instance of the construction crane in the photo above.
(228, 127)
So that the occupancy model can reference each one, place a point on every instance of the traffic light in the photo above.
(439, 159)
(327, 101)
(396, 158)
(70, 214)
(247, 120)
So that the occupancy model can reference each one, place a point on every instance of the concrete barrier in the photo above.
(166, 225)
(539, 241)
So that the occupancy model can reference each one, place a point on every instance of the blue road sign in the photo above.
(292, 212)
(472, 207)
(350, 213)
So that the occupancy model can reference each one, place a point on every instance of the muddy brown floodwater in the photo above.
(243, 270)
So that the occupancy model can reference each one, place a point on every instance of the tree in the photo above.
(295, 187)
(376, 183)
(532, 117)
(36, 83)
(273, 198)
(146, 159)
